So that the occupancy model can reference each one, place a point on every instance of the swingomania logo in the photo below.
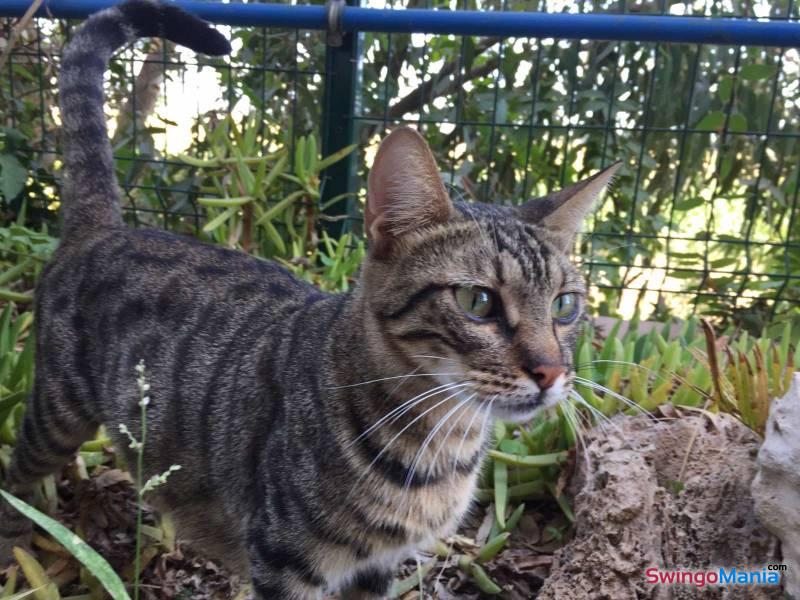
(716, 576)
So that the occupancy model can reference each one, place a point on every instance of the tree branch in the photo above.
(144, 94)
(439, 85)
(431, 89)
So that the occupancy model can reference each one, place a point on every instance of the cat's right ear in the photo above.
(405, 191)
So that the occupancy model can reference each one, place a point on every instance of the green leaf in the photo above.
(22, 595)
(312, 158)
(280, 206)
(335, 157)
(689, 204)
(96, 564)
(220, 219)
(493, 547)
(713, 121)
(725, 88)
(737, 122)
(500, 492)
(225, 202)
(756, 72)
(725, 261)
(300, 158)
(483, 580)
(403, 586)
(12, 176)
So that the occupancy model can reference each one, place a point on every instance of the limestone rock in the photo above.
(776, 487)
(673, 494)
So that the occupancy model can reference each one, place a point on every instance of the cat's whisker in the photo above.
(659, 374)
(447, 437)
(431, 434)
(409, 425)
(433, 356)
(570, 414)
(403, 408)
(464, 437)
(397, 386)
(412, 374)
(383, 450)
(429, 439)
(404, 412)
(601, 388)
(579, 430)
(600, 418)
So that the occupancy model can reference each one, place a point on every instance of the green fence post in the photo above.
(341, 69)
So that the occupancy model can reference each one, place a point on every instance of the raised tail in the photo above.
(90, 196)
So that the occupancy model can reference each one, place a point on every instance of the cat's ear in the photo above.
(405, 190)
(563, 212)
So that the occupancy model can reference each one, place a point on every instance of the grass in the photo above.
(631, 373)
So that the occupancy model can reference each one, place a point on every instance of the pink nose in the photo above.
(545, 375)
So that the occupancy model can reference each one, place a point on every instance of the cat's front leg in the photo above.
(369, 584)
(276, 585)
(282, 571)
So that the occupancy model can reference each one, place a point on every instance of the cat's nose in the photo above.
(545, 375)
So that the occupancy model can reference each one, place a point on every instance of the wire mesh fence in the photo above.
(704, 214)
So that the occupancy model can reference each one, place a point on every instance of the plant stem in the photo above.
(139, 477)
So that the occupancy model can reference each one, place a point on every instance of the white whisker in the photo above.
(429, 438)
(412, 374)
(627, 401)
(659, 374)
(433, 356)
(459, 406)
(408, 426)
(464, 437)
(599, 417)
(403, 408)
(580, 438)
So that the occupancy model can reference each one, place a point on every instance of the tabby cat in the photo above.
(322, 438)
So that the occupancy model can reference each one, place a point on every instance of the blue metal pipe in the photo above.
(483, 23)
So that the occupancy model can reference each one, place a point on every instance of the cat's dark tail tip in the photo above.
(151, 18)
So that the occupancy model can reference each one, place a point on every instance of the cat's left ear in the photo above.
(563, 212)
(405, 191)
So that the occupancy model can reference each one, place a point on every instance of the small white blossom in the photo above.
(158, 480)
(134, 445)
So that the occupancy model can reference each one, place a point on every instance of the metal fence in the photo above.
(704, 216)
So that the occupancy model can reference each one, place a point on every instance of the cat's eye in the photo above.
(476, 301)
(565, 308)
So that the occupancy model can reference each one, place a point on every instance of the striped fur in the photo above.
(271, 395)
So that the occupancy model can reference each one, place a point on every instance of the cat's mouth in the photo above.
(527, 402)
(520, 410)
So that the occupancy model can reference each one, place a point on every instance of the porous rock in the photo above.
(672, 493)
(776, 487)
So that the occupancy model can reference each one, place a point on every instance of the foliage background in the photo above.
(703, 216)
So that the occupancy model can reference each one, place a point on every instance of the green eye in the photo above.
(565, 308)
(476, 301)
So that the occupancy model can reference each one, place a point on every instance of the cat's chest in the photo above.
(430, 513)
(424, 515)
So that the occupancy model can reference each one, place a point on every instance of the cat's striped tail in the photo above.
(90, 196)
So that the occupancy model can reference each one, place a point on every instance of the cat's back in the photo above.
(186, 308)
(122, 265)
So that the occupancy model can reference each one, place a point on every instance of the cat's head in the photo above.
(478, 294)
